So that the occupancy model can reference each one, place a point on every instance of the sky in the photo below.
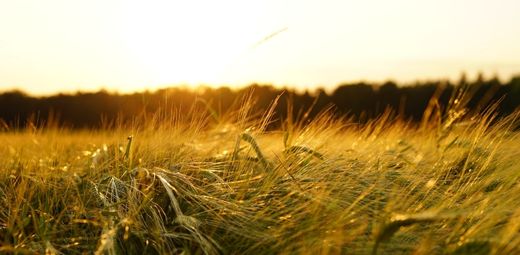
(126, 45)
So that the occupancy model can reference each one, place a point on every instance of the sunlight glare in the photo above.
(173, 44)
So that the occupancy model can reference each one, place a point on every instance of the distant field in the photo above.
(227, 185)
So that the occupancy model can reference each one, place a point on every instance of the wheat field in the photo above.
(227, 184)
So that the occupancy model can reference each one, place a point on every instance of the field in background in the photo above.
(226, 184)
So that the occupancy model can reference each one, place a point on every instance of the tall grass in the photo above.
(224, 184)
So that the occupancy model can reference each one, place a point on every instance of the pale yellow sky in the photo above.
(65, 45)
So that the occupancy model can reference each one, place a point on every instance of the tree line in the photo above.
(360, 101)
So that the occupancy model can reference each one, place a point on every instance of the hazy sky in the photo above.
(66, 45)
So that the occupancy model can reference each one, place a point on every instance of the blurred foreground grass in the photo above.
(227, 185)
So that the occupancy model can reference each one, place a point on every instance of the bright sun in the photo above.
(190, 41)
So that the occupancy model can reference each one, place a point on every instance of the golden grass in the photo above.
(215, 185)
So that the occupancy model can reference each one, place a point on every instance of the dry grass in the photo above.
(223, 184)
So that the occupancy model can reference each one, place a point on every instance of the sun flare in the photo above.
(173, 44)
